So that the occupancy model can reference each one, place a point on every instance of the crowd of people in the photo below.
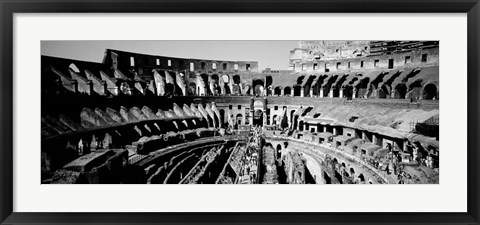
(250, 159)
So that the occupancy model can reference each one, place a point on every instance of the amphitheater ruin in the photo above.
(346, 112)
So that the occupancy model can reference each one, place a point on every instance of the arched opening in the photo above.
(258, 86)
(300, 125)
(226, 84)
(258, 89)
(347, 91)
(383, 92)
(169, 89)
(296, 90)
(268, 81)
(287, 91)
(217, 88)
(192, 87)
(329, 85)
(362, 87)
(415, 90)
(222, 115)
(225, 79)
(430, 92)
(215, 78)
(205, 81)
(352, 171)
(400, 91)
(361, 177)
(277, 91)
(236, 89)
(258, 117)
(308, 85)
(246, 89)
(338, 85)
(236, 79)
(274, 122)
(239, 119)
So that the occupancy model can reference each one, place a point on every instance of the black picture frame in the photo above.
(9, 7)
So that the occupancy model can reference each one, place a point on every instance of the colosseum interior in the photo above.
(345, 112)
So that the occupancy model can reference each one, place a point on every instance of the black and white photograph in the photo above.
(240, 112)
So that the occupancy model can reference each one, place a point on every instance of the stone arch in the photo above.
(362, 87)
(277, 91)
(204, 77)
(216, 80)
(225, 78)
(239, 119)
(338, 85)
(400, 91)
(429, 91)
(259, 89)
(327, 86)
(383, 91)
(268, 81)
(348, 91)
(308, 85)
(287, 91)
(258, 86)
(415, 89)
(361, 177)
(258, 117)
(274, 120)
(169, 89)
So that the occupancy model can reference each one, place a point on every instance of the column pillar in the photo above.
(341, 93)
(330, 94)
(104, 87)
(325, 128)
(265, 115)
(90, 87)
(74, 84)
(282, 92)
(251, 112)
(321, 93)
(334, 131)
(302, 92)
(374, 139)
(354, 94)
(363, 135)
(311, 92)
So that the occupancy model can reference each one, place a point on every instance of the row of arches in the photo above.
(415, 90)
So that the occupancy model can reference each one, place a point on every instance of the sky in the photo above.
(269, 54)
